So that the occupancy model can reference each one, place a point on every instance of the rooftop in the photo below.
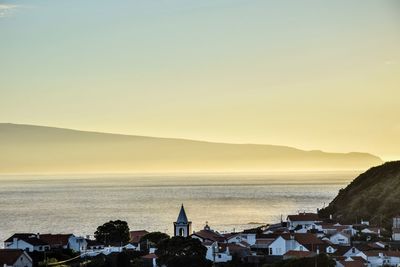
(9, 256)
(303, 217)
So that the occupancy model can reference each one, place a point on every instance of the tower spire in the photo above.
(182, 218)
(182, 226)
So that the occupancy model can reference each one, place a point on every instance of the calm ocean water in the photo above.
(78, 204)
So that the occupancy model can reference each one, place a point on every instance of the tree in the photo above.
(113, 232)
(182, 252)
(152, 238)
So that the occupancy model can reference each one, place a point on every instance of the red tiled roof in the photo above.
(209, 235)
(304, 217)
(9, 256)
(299, 254)
(354, 263)
(57, 240)
(304, 238)
(392, 253)
(20, 236)
(137, 235)
(229, 235)
(28, 238)
(150, 256)
(358, 258)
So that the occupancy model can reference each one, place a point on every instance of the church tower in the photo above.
(182, 227)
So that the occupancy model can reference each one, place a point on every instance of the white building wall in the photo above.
(219, 256)
(396, 236)
(23, 261)
(278, 247)
(20, 244)
(250, 238)
(353, 251)
(77, 244)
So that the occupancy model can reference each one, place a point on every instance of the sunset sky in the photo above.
(309, 74)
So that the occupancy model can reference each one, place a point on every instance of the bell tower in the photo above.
(182, 227)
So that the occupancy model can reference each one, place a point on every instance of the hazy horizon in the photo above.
(37, 149)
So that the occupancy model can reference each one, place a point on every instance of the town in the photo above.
(304, 239)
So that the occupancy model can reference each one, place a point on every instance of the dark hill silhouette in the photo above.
(373, 196)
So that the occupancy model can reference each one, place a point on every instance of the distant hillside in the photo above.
(374, 196)
(26, 148)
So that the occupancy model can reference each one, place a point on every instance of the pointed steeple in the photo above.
(182, 218)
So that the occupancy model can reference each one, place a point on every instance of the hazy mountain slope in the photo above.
(26, 148)
(373, 195)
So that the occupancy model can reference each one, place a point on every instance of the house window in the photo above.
(301, 248)
(270, 251)
(353, 250)
(181, 231)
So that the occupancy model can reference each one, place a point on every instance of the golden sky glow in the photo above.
(309, 74)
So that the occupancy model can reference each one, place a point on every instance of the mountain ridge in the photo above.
(27, 147)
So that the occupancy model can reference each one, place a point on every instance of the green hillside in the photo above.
(373, 195)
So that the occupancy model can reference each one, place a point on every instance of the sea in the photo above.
(226, 201)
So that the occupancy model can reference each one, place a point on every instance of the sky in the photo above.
(309, 74)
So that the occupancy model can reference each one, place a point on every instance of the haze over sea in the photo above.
(80, 203)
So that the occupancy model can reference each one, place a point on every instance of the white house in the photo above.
(28, 242)
(249, 238)
(217, 252)
(353, 251)
(65, 241)
(381, 258)
(77, 243)
(297, 242)
(340, 238)
(281, 245)
(371, 231)
(302, 220)
(14, 258)
(350, 262)
(208, 235)
(330, 228)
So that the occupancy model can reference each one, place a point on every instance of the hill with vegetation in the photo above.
(373, 195)
(37, 149)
